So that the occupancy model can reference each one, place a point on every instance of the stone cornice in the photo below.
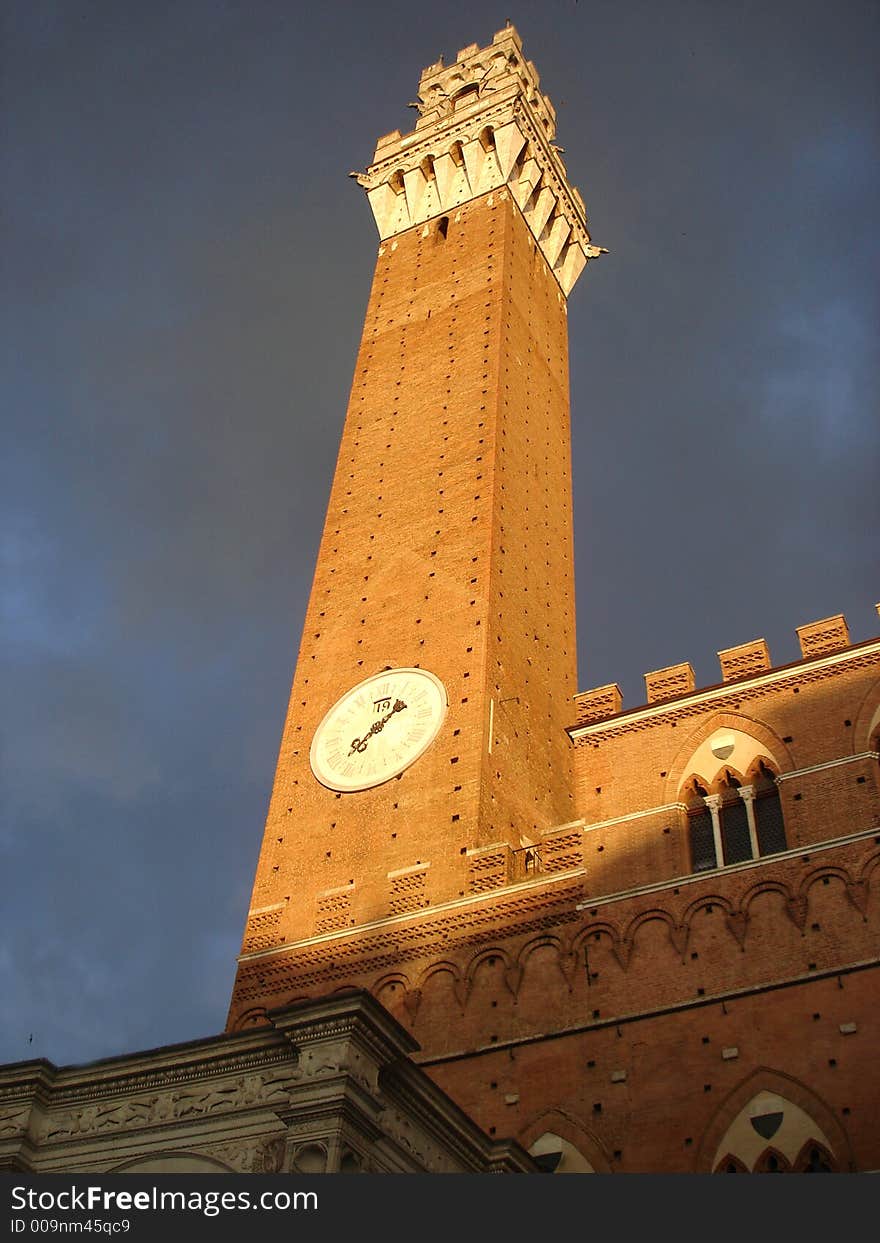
(152, 1070)
(484, 125)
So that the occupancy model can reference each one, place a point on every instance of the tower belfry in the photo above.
(424, 756)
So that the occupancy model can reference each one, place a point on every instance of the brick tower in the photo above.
(447, 545)
(636, 940)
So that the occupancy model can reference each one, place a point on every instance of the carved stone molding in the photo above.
(253, 1091)
(347, 1073)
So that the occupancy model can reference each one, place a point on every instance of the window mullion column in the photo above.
(713, 802)
(747, 794)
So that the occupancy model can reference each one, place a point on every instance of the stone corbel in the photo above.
(678, 935)
(412, 999)
(797, 911)
(857, 892)
(738, 922)
(513, 978)
(622, 950)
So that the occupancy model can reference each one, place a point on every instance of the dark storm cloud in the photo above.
(189, 268)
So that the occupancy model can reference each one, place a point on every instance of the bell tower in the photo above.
(424, 747)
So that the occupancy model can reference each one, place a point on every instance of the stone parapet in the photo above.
(484, 124)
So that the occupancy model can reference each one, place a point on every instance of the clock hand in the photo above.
(360, 744)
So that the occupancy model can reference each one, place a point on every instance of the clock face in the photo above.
(377, 729)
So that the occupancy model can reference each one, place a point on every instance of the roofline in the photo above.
(720, 689)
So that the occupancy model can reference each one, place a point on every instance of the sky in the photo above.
(187, 266)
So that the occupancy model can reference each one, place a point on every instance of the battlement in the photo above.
(829, 635)
(747, 660)
(476, 70)
(484, 125)
(669, 683)
(598, 704)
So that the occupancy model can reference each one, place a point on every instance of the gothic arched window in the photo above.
(814, 1159)
(769, 824)
(772, 1135)
(771, 1162)
(736, 840)
(701, 837)
(555, 1155)
(731, 1165)
(737, 821)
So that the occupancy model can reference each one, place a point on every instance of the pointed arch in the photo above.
(730, 1165)
(772, 1161)
(814, 1158)
(727, 778)
(736, 837)
(700, 832)
(768, 1091)
(750, 737)
(866, 735)
(560, 1123)
(732, 763)
(767, 807)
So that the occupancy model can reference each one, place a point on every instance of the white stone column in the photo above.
(747, 794)
(713, 802)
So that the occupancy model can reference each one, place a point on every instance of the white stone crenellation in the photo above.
(484, 124)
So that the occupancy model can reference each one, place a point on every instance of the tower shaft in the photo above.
(448, 539)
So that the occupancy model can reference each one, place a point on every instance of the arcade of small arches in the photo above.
(449, 982)
(813, 1158)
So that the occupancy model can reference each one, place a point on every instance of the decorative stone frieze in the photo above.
(484, 125)
(265, 1101)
